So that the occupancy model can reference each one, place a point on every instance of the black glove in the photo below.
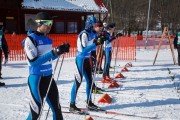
(61, 49)
(99, 40)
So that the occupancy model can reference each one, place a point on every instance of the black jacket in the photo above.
(4, 46)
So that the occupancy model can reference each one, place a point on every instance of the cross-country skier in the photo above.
(39, 52)
(84, 47)
(108, 49)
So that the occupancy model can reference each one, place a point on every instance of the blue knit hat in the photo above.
(90, 21)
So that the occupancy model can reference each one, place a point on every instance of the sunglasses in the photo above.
(45, 22)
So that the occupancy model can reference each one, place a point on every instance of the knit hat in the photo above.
(98, 24)
(111, 25)
(43, 16)
(90, 21)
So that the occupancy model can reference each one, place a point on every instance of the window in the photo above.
(30, 23)
(11, 26)
(59, 27)
(72, 27)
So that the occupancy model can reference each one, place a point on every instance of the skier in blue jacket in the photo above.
(85, 44)
(108, 49)
(39, 52)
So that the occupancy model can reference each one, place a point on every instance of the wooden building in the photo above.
(69, 15)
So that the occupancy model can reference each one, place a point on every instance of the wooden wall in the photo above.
(13, 17)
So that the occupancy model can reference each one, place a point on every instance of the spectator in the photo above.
(4, 48)
(177, 45)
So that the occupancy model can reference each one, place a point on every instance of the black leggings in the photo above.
(38, 87)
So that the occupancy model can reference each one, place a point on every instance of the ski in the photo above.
(131, 115)
(119, 114)
(82, 112)
(95, 111)
(98, 109)
(87, 109)
(98, 116)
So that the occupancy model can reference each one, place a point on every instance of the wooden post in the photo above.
(164, 34)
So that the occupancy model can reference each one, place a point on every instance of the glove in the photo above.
(99, 40)
(61, 49)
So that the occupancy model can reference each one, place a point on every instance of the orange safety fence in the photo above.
(68, 38)
(126, 50)
(16, 50)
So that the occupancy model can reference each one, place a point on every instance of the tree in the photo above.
(131, 15)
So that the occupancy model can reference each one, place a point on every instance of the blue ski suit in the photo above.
(107, 51)
(38, 49)
(84, 47)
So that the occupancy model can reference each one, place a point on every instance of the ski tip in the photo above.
(82, 112)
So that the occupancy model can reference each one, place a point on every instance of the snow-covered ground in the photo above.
(146, 90)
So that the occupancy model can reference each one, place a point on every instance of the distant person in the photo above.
(177, 46)
(40, 54)
(4, 48)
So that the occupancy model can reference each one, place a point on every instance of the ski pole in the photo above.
(99, 56)
(57, 80)
(43, 103)
(60, 67)
(94, 73)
